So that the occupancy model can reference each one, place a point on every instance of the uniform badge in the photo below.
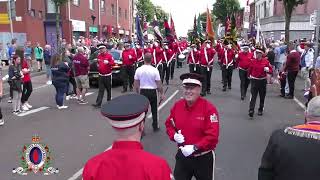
(35, 157)
(213, 118)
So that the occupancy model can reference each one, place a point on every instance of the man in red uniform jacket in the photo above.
(194, 59)
(127, 70)
(291, 69)
(126, 160)
(139, 54)
(227, 61)
(174, 47)
(243, 62)
(105, 63)
(206, 62)
(193, 124)
(257, 72)
(168, 56)
(158, 57)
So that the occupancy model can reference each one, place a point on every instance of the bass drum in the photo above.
(181, 57)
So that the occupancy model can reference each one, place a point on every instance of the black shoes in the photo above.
(251, 114)
(96, 105)
(208, 92)
(224, 89)
(124, 91)
(229, 87)
(202, 94)
(260, 113)
(242, 98)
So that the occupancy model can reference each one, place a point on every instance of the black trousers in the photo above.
(172, 66)
(194, 68)
(283, 83)
(160, 69)
(0, 109)
(127, 73)
(165, 73)
(227, 75)
(292, 75)
(200, 167)
(104, 84)
(74, 86)
(258, 87)
(26, 91)
(244, 82)
(151, 94)
(206, 73)
(10, 89)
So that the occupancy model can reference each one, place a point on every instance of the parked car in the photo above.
(94, 74)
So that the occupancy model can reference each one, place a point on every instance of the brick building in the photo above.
(272, 19)
(36, 20)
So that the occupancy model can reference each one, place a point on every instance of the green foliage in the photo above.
(224, 8)
(145, 8)
(59, 2)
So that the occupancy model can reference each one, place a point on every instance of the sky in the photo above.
(183, 11)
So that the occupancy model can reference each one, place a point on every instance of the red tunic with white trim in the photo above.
(128, 57)
(125, 161)
(244, 60)
(158, 55)
(229, 61)
(168, 55)
(104, 68)
(207, 60)
(256, 68)
(139, 53)
(194, 57)
(199, 124)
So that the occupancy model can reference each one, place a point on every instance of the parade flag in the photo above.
(145, 28)
(139, 31)
(258, 32)
(227, 30)
(199, 28)
(173, 29)
(168, 33)
(233, 27)
(209, 28)
(195, 32)
(156, 30)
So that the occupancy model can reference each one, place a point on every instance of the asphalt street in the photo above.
(79, 132)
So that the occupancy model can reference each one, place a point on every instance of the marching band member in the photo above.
(128, 58)
(168, 56)
(193, 59)
(227, 65)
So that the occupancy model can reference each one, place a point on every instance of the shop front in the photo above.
(78, 28)
(93, 30)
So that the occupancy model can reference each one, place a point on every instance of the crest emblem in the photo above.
(35, 157)
(213, 118)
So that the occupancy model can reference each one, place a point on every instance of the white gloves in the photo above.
(236, 56)
(266, 69)
(105, 61)
(178, 137)
(187, 150)
(130, 57)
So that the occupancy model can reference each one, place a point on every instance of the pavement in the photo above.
(80, 132)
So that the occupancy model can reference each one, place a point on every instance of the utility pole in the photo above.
(10, 17)
(316, 44)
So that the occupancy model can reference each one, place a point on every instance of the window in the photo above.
(76, 2)
(102, 5)
(91, 4)
(40, 14)
(112, 10)
(119, 11)
(32, 13)
(50, 7)
(126, 14)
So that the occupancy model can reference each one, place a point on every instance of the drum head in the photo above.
(181, 56)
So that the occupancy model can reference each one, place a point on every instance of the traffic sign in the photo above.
(313, 19)
(4, 18)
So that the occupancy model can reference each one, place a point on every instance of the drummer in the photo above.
(180, 56)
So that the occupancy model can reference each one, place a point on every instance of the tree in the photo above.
(145, 9)
(224, 8)
(58, 4)
(289, 6)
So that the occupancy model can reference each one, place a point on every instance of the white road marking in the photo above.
(33, 111)
(299, 103)
(79, 173)
(295, 99)
(164, 103)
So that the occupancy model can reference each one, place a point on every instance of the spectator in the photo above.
(293, 153)
(15, 76)
(306, 63)
(28, 52)
(81, 67)
(3, 54)
(66, 55)
(317, 62)
(1, 94)
(60, 79)
(38, 51)
(47, 62)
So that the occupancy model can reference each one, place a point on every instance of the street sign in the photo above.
(4, 18)
(313, 19)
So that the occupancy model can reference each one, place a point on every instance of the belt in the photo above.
(105, 74)
(243, 69)
(201, 153)
(258, 78)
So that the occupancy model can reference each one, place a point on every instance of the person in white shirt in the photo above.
(306, 64)
(147, 82)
